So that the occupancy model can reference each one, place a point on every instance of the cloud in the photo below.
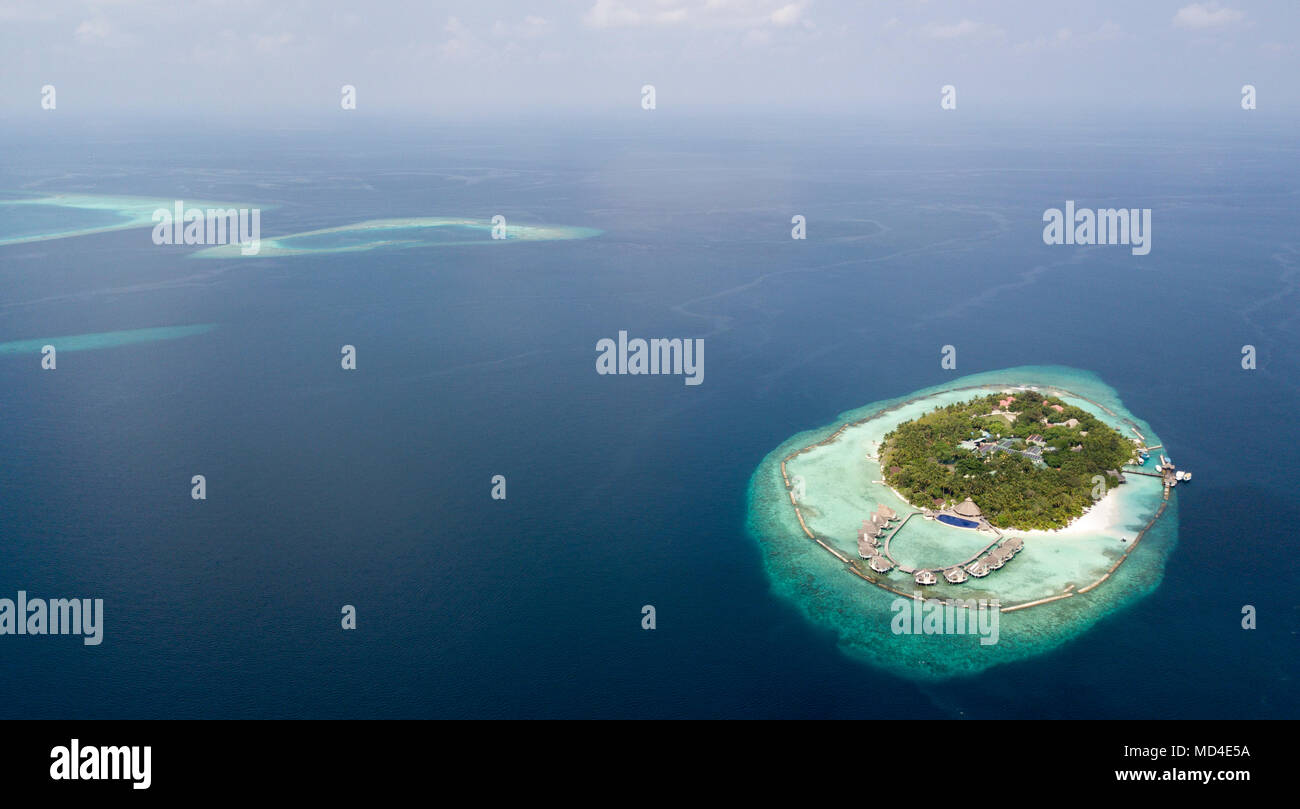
(462, 45)
(1065, 38)
(611, 14)
(1206, 15)
(91, 31)
(530, 27)
(966, 29)
(506, 41)
(271, 43)
(24, 11)
(787, 15)
(703, 14)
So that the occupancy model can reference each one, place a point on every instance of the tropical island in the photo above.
(979, 491)
(1027, 460)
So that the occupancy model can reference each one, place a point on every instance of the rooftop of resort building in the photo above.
(881, 564)
(967, 508)
(925, 577)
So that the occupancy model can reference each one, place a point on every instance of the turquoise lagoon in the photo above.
(842, 484)
(36, 218)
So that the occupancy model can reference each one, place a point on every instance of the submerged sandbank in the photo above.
(49, 214)
(403, 233)
(104, 339)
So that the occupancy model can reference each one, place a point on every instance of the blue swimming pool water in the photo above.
(957, 521)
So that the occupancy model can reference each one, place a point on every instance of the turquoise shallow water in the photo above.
(107, 339)
(840, 494)
(24, 222)
(336, 240)
(402, 233)
(35, 218)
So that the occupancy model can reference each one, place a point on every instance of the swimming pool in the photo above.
(948, 519)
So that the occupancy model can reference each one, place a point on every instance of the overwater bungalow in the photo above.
(993, 561)
(880, 564)
(925, 577)
(865, 549)
(865, 538)
(1014, 544)
(955, 575)
(879, 519)
(886, 512)
(871, 529)
(977, 569)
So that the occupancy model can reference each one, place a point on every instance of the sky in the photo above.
(236, 59)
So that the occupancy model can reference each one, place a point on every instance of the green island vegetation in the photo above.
(1028, 461)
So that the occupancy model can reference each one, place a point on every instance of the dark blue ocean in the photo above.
(372, 488)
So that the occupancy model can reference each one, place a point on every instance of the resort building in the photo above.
(886, 512)
(868, 539)
(967, 508)
(955, 575)
(880, 564)
(925, 577)
(977, 569)
(993, 560)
